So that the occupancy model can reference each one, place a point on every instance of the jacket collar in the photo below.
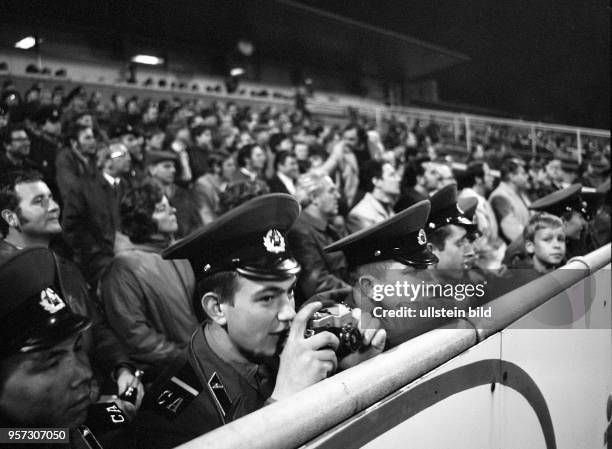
(317, 223)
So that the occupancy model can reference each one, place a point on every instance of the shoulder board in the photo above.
(177, 392)
(224, 403)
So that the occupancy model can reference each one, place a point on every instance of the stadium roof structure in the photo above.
(344, 42)
(281, 30)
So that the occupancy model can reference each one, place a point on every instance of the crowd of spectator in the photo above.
(109, 184)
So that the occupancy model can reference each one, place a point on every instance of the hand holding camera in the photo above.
(356, 344)
(305, 361)
(373, 341)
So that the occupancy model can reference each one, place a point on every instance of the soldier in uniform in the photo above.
(251, 349)
(450, 233)
(46, 375)
(453, 236)
(390, 254)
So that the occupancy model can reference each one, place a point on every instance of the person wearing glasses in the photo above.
(146, 298)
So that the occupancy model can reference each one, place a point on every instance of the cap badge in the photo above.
(274, 242)
(50, 301)
(421, 237)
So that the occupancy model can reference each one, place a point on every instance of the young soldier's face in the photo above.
(458, 250)
(548, 246)
(260, 315)
(49, 388)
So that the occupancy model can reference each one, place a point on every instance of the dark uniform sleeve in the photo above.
(175, 410)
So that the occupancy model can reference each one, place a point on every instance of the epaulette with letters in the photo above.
(177, 392)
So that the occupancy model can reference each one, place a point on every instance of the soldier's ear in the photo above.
(10, 218)
(213, 308)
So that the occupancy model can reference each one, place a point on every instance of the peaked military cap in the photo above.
(561, 201)
(401, 237)
(249, 239)
(33, 316)
(445, 211)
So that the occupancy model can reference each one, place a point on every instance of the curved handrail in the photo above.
(508, 308)
(298, 419)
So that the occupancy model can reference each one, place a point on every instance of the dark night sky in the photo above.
(536, 59)
(547, 60)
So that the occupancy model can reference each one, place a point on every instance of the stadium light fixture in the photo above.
(147, 59)
(237, 71)
(26, 43)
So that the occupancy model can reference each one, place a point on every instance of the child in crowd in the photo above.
(545, 241)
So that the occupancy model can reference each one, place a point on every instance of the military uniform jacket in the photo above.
(197, 394)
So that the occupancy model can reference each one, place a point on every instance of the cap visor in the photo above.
(54, 331)
(417, 258)
(281, 270)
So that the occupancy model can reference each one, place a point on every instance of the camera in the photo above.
(339, 320)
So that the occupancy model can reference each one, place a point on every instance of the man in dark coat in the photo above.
(91, 213)
(311, 233)
(77, 160)
(286, 175)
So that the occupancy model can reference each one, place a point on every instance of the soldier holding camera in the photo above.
(253, 347)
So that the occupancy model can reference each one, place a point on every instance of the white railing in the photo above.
(304, 416)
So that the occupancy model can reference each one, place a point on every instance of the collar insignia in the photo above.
(274, 242)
